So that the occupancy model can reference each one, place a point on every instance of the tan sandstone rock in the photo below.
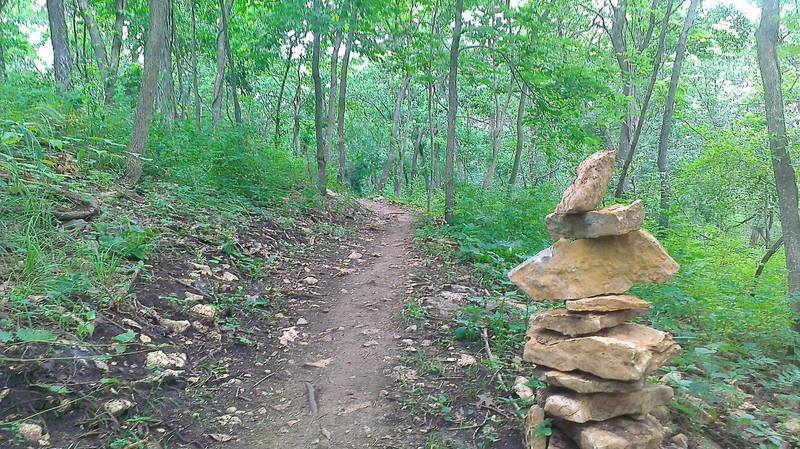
(614, 220)
(607, 303)
(579, 323)
(591, 267)
(586, 383)
(617, 433)
(627, 352)
(590, 184)
(581, 408)
(533, 420)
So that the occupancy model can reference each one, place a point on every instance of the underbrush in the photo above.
(737, 378)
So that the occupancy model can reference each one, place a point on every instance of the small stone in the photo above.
(145, 339)
(355, 255)
(194, 297)
(101, 365)
(574, 269)
(465, 360)
(200, 327)
(205, 312)
(130, 323)
(522, 389)
(310, 280)
(580, 408)
(117, 407)
(369, 343)
(160, 359)
(616, 433)
(229, 277)
(302, 321)
(615, 220)
(533, 421)
(579, 323)
(229, 420)
(792, 425)
(30, 432)
(230, 410)
(175, 326)
(606, 303)
(590, 184)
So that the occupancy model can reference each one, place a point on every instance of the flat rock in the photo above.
(628, 352)
(586, 383)
(590, 184)
(581, 408)
(581, 323)
(617, 433)
(175, 326)
(606, 303)
(533, 420)
(575, 269)
(613, 220)
(117, 407)
(205, 312)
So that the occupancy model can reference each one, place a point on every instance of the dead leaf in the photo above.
(319, 363)
(221, 437)
(290, 334)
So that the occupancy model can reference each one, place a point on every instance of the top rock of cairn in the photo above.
(590, 184)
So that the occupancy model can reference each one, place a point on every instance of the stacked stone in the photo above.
(594, 362)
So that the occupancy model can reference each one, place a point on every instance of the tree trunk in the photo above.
(322, 176)
(497, 131)
(195, 83)
(391, 157)
(340, 150)
(60, 41)
(222, 31)
(276, 135)
(669, 108)
(99, 48)
(297, 108)
(452, 111)
(620, 189)
(235, 82)
(523, 96)
(144, 109)
(116, 40)
(166, 82)
(417, 150)
(401, 178)
(785, 180)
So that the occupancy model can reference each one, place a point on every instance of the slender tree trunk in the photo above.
(785, 180)
(523, 97)
(116, 40)
(60, 41)
(452, 111)
(276, 135)
(144, 109)
(340, 149)
(620, 189)
(417, 150)
(391, 157)
(195, 83)
(235, 82)
(297, 108)
(401, 178)
(431, 152)
(322, 176)
(99, 48)
(669, 108)
(330, 120)
(166, 83)
(497, 132)
(2, 47)
(222, 31)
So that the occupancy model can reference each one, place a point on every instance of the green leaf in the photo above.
(125, 337)
(29, 335)
(58, 389)
(5, 336)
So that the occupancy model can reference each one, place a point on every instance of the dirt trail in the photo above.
(358, 334)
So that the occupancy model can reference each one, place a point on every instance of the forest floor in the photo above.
(342, 337)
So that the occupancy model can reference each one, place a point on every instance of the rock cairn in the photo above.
(592, 359)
